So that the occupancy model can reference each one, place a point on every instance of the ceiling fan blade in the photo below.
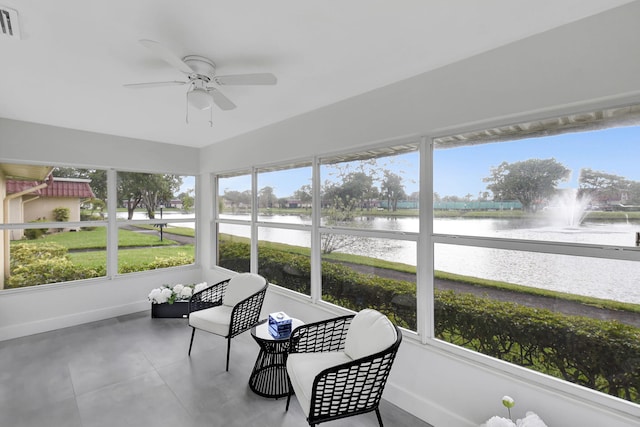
(167, 55)
(221, 101)
(154, 84)
(247, 79)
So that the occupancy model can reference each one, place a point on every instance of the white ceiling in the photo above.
(74, 55)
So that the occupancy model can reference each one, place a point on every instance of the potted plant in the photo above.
(173, 301)
(530, 419)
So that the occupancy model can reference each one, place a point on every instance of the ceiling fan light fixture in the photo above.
(200, 98)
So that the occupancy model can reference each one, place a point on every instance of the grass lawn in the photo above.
(97, 239)
(169, 229)
(140, 256)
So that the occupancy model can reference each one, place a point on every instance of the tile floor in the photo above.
(134, 371)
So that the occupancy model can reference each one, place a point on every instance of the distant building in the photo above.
(33, 200)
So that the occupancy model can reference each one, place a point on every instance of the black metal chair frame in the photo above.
(347, 389)
(244, 315)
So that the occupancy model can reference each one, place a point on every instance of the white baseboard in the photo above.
(424, 409)
(50, 324)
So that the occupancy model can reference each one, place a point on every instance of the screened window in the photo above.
(369, 229)
(536, 246)
(284, 225)
(55, 223)
(363, 190)
(156, 212)
(234, 197)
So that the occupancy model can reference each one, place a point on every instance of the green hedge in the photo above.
(601, 355)
(35, 233)
(36, 264)
(174, 261)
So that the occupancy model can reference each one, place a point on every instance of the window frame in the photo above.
(110, 223)
(601, 251)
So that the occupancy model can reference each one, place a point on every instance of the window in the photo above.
(155, 212)
(366, 226)
(55, 223)
(536, 246)
(362, 190)
(284, 225)
(369, 229)
(234, 197)
(234, 200)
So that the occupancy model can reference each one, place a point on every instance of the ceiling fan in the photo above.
(201, 73)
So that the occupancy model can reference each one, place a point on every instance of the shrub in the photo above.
(174, 261)
(49, 270)
(89, 216)
(234, 256)
(602, 355)
(36, 233)
(27, 253)
(61, 214)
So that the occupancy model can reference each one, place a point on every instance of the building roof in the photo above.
(57, 188)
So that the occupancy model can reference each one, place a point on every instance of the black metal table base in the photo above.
(269, 376)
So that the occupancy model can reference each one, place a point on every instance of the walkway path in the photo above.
(536, 301)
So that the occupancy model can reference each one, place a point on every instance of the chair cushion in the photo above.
(242, 286)
(303, 368)
(215, 319)
(370, 332)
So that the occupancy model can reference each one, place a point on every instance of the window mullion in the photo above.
(254, 222)
(112, 226)
(316, 214)
(425, 265)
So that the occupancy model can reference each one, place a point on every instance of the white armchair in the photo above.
(228, 308)
(339, 367)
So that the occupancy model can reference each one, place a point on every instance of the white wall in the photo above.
(588, 64)
(50, 145)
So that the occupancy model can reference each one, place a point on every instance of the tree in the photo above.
(267, 197)
(634, 192)
(392, 189)
(187, 200)
(237, 199)
(602, 186)
(145, 189)
(357, 186)
(304, 195)
(528, 181)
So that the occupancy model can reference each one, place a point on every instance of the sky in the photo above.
(188, 183)
(459, 171)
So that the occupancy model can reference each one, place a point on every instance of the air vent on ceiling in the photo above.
(9, 23)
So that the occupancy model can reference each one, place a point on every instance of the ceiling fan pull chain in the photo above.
(187, 106)
(210, 117)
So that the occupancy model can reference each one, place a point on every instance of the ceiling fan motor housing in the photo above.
(203, 68)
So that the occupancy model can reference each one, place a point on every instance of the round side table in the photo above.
(269, 375)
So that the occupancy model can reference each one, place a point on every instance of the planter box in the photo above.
(178, 309)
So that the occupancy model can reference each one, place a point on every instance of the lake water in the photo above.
(602, 278)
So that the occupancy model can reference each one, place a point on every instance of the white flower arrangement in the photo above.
(170, 294)
(530, 419)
